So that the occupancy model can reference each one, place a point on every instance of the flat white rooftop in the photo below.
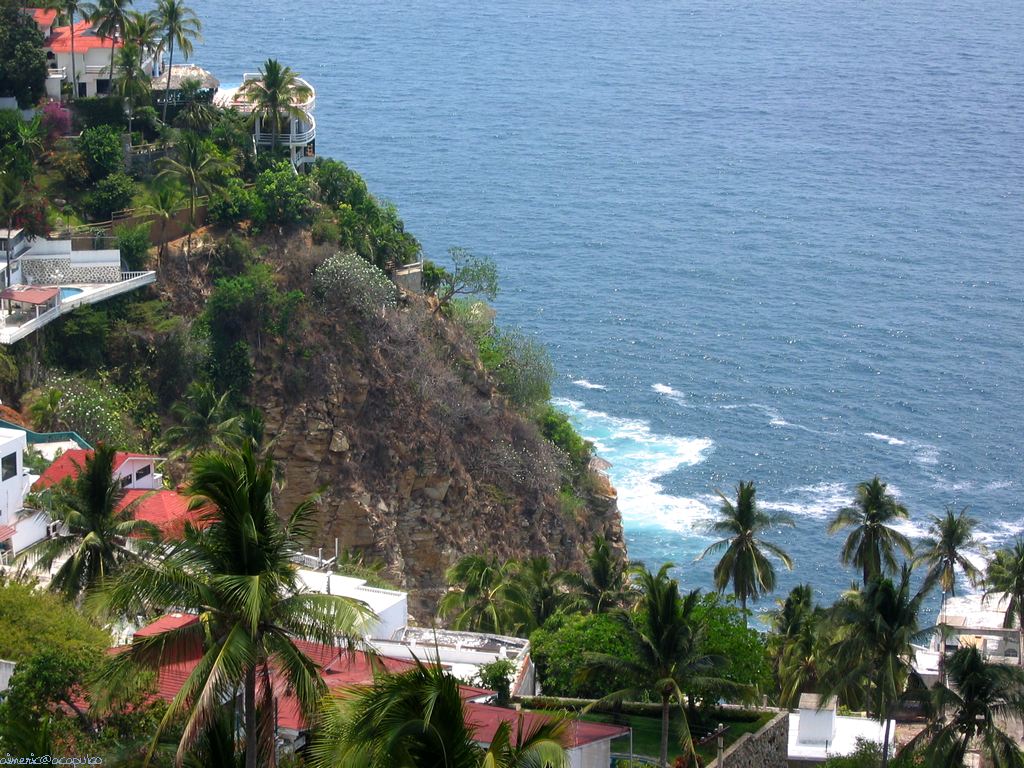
(975, 611)
(844, 742)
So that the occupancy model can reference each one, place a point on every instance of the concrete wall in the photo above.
(30, 529)
(595, 755)
(765, 749)
(6, 670)
(12, 489)
(87, 267)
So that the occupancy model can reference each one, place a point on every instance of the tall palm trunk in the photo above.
(113, 39)
(885, 744)
(743, 604)
(250, 717)
(170, 64)
(74, 69)
(664, 729)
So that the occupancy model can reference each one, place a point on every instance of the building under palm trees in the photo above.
(297, 129)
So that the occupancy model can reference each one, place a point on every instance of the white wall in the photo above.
(12, 489)
(595, 755)
(6, 670)
(30, 529)
(130, 468)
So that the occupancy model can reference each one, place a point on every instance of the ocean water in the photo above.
(772, 241)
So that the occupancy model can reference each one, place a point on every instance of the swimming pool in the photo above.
(67, 293)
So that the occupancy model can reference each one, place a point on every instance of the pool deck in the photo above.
(16, 326)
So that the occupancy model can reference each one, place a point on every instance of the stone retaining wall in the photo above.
(59, 271)
(767, 748)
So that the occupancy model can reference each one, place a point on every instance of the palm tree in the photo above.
(872, 650)
(45, 410)
(482, 595)
(68, 10)
(239, 573)
(202, 420)
(163, 201)
(605, 586)
(799, 643)
(540, 592)
(417, 718)
(669, 644)
(872, 543)
(980, 695)
(277, 96)
(181, 27)
(92, 544)
(108, 18)
(16, 198)
(132, 83)
(1006, 575)
(198, 167)
(196, 114)
(943, 551)
(745, 563)
(144, 31)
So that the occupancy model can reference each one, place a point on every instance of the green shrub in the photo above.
(101, 148)
(433, 274)
(324, 230)
(79, 339)
(133, 242)
(99, 111)
(235, 204)
(114, 193)
(96, 409)
(520, 364)
(230, 257)
(746, 649)
(348, 280)
(285, 195)
(337, 183)
(497, 677)
(559, 649)
(556, 427)
(22, 61)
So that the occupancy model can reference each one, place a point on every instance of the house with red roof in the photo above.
(136, 472)
(588, 744)
(91, 56)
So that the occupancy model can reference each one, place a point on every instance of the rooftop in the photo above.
(70, 463)
(44, 17)
(485, 720)
(975, 612)
(182, 72)
(85, 39)
(844, 741)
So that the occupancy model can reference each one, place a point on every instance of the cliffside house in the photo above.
(298, 135)
(588, 744)
(20, 528)
(44, 279)
(180, 74)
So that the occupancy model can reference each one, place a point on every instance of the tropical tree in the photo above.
(540, 594)
(108, 18)
(800, 644)
(46, 410)
(91, 544)
(181, 28)
(132, 83)
(482, 596)
(872, 542)
(68, 10)
(144, 31)
(239, 573)
(872, 650)
(198, 167)
(196, 113)
(605, 586)
(16, 198)
(202, 420)
(277, 96)
(979, 697)
(670, 657)
(744, 563)
(417, 718)
(1005, 575)
(163, 201)
(942, 552)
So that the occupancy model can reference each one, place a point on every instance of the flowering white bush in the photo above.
(347, 279)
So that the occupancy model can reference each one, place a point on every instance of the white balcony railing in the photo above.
(306, 105)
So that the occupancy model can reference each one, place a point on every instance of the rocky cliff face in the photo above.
(418, 457)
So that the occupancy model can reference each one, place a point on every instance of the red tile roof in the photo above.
(7, 532)
(44, 17)
(71, 462)
(29, 295)
(167, 510)
(485, 719)
(85, 39)
(166, 623)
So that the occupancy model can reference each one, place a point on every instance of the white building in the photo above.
(20, 528)
(45, 279)
(818, 734)
(390, 606)
(298, 135)
(134, 471)
(978, 620)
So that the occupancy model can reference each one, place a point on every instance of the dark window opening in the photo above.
(9, 466)
(143, 472)
(126, 481)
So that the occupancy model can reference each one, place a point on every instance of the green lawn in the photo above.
(647, 733)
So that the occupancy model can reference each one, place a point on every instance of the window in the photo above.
(143, 472)
(9, 466)
(126, 481)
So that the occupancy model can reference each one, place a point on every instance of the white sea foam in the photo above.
(639, 457)
(672, 394)
(819, 501)
(588, 384)
(885, 438)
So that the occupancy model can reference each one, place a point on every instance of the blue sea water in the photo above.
(777, 241)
